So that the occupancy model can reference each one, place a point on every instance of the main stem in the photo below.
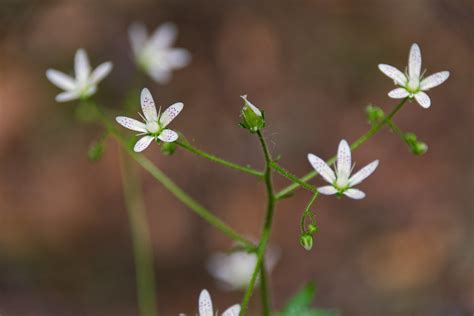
(142, 247)
(290, 188)
(267, 226)
(218, 160)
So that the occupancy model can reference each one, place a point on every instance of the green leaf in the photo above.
(299, 303)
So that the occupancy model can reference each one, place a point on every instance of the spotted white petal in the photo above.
(138, 35)
(205, 304)
(178, 57)
(343, 159)
(67, 96)
(81, 65)
(234, 310)
(423, 99)
(354, 194)
(363, 173)
(393, 73)
(164, 36)
(60, 79)
(170, 113)
(322, 168)
(100, 72)
(414, 61)
(398, 93)
(327, 190)
(143, 143)
(168, 136)
(132, 124)
(148, 106)
(434, 80)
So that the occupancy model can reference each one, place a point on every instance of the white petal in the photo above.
(81, 65)
(132, 124)
(60, 79)
(168, 136)
(434, 80)
(170, 113)
(344, 159)
(398, 93)
(137, 34)
(67, 96)
(392, 72)
(423, 99)
(148, 105)
(164, 36)
(354, 194)
(322, 168)
(159, 75)
(414, 61)
(234, 310)
(327, 190)
(178, 57)
(363, 173)
(205, 304)
(100, 72)
(143, 143)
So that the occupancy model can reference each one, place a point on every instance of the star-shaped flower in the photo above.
(155, 54)
(341, 180)
(155, 124)
(412, 84)
(85, 83)
(206, 309)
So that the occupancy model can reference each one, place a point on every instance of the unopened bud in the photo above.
(312, 228)
(306, 240)
(252, 117)
(374, 114)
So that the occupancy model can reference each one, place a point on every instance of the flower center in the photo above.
(342, 181)
(413, 84)
(152, 127)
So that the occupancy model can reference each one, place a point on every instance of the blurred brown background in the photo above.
(407, 249)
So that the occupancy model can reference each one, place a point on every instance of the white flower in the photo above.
(412, 82)
(154, 54)
(155, 124)
(234, 270)
(85, 83)
(341, 181)
(206, 309)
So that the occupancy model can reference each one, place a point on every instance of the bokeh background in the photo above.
(407, 249)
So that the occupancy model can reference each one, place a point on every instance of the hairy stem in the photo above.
(194, 150)
(307, 211)
(142, 247)
(287, 174)
(290, 188)
(267, 226)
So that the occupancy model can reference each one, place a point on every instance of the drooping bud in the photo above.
(252, 117)
(306, 241)
(374, 114)
(417, 148)
(312, 228)
(168, 148)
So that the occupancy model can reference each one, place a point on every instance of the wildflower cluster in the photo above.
(251, 261)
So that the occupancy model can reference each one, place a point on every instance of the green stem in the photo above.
(290, 188)
(307, 212)
(194, 150)
(142, 247)
(292, 177)
(264, 289)
(267, 226)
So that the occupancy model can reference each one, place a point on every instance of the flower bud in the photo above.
(306, 240)
(312, 228)
(374, 114)
(168, 148)
(252, 117)
(419, 148)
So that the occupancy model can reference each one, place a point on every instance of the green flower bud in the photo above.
(168, 148)
(252, 117)
(374, 114)
(312, 228)
(96, 151)
(306, 240)
(419, 148)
